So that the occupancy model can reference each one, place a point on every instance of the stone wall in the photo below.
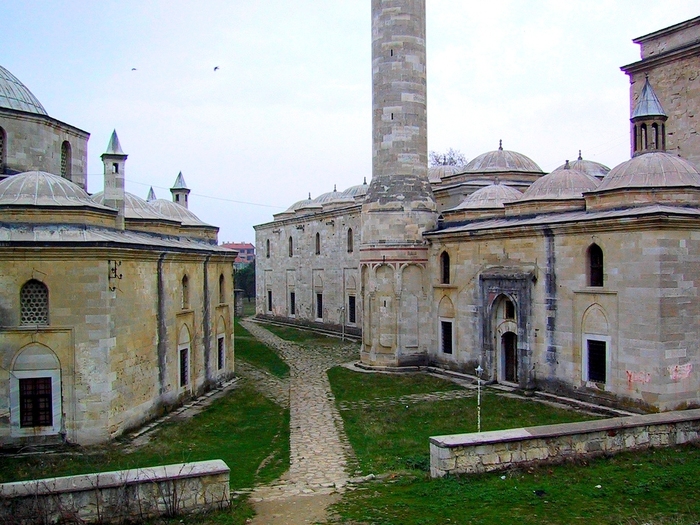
(34, 143)
(331, 271)
(118, 497)
(503, 449)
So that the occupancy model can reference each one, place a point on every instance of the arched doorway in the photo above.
(509, 357)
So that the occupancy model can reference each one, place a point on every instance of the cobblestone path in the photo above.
(319, 447)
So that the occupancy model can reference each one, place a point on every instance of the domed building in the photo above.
(32, 140)
(113, 309)
(582, 282)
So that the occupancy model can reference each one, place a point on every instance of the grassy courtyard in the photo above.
(656, 487)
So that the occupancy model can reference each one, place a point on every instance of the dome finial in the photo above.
(335, 188)
(500, 145)
(566, 165)
(579, 155)
(365, 181)
(309, 195)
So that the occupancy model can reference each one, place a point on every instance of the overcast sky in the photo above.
(288, 112)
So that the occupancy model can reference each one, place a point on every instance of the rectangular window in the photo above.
(319, 306)
(35, 402)
(597, 361)
(446, 333)
(292, 303)
(352, 310)
(269, 300)
(184, 366)
(221, 352)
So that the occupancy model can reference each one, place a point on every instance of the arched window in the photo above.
(267, 248)
(291, 246)
(3, 150)
(185, 293)
(34, 303)
(595, 265)
(445, 268)
(66, 161)
(222, 289)
(318, 243)
(351, 241)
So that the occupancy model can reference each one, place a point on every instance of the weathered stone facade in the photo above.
(583, 281)
(109, 315)
(670, 58)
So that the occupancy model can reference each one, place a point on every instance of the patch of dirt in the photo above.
(294, 510)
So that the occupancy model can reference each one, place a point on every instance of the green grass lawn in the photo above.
(257, 354)
(297, 335)
(658, 487)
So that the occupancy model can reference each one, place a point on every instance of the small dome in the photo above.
(134, 207)
(596, 169)
(38, 188)
(491, 196)
(332, 197)
(437, 173)
(357, 191)
(652, 170)
(174, 211)
(562, 184)
(502, 160)
(15, 95)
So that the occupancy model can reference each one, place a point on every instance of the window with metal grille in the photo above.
(597, 359)
(34, 303)
(184, 366)
(221, 352)
(318, 243)
(445, 268)
(595, 265)
(291, 246)
(267, 248)
(269, 300)
(65, 160)
(35, 402)
(292, 303)
(351, 241)
(319, 306)
(446, 333)
(352, 310)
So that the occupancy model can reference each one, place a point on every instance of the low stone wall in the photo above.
(117, 497)
(502, 449)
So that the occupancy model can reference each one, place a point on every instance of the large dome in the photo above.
(502, 160)
(134, 207)
(652, 170)
(15, 95)
(38, 188)
(563, 183)
(491, 196)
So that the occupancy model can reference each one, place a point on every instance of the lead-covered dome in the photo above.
(38, 188)
(591, 167)
(502, 160)
(134, 207)
(651, 170)
(174, 211)
(491, 196)
(561, 184)
(15, 95)
(437, 173)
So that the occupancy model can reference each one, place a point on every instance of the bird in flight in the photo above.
(133, 69)
(216, 68)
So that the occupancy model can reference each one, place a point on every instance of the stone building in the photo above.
(582, 281)
(112, 309)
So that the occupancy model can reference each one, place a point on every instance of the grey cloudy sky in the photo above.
(289, 110)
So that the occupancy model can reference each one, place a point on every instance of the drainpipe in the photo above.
(161, 326)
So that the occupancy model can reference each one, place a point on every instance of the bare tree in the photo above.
(451, 157)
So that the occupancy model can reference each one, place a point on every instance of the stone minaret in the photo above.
(114, 160)
(399, 205)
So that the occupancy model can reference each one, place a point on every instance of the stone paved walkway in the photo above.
(319, 448)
